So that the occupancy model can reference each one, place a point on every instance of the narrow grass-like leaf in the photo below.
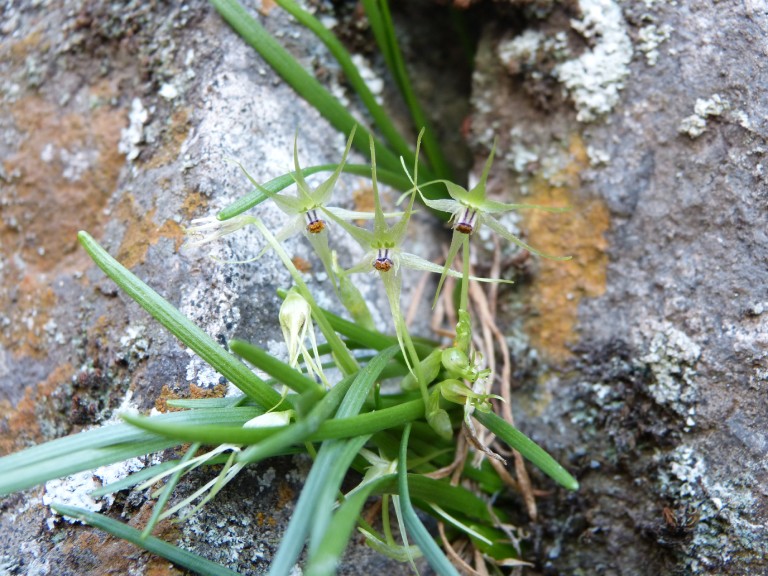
(366, 423)
(256, 197)
(157, 510)
(380, 117)
(279, 370)
(325, 558)
(381, 23)
(298, 78)
(197, 403)
(151, 544)
(300, 431)
(100, 446)
(181, 327)
(528, 448)
(439, 562)
(322, 478)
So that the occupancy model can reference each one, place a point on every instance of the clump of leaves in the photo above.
(446, 389)
(420, 446)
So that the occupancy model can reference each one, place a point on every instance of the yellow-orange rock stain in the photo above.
(558, 287)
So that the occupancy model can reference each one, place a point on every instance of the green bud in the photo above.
(454, 391)
(455, 361)
(463, 330)
(438, 418)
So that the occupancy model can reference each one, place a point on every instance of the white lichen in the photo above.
(594, 79)
(133, 135)
(650, 38)
(374, 82)
(75, 490)
(168, 91)
(696, 124)
(520, 50)
(671, 357)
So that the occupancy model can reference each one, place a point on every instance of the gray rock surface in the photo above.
(643, 361)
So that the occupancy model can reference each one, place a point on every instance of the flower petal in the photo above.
(494, 225)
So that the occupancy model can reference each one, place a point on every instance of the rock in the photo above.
(643, 361)
(121, 121)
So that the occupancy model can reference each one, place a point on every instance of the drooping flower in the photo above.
(296, 325)
(210, 228)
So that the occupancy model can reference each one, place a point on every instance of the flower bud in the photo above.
(295, 320)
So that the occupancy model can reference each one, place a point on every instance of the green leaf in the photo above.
(181, 327)
(279, 370)
(100, 446)
(440, 564)
(352, 75)
(151, 544)
(366, 423)
(298, 78)
(527, 447)
(329, 468)
(384, 32)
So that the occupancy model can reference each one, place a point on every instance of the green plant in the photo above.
(404, 443)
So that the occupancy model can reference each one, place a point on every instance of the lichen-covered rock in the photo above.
(643, 361)
(120, 119)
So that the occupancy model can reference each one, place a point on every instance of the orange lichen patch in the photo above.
(142, 232)
(174, 231)
(67, 166)
(559, 286)
(302, 264)
(20, 425)
(194, 204)
(285, 495)
(100, 553)
(266, 7)
(171, 139)
(264, 520)
(159, 567)
(195, 392)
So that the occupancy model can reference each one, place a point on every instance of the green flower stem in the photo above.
(527, 447)
(181, 327)
(151, 544)
(346, 362)
(464, 299)
(298, 78)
